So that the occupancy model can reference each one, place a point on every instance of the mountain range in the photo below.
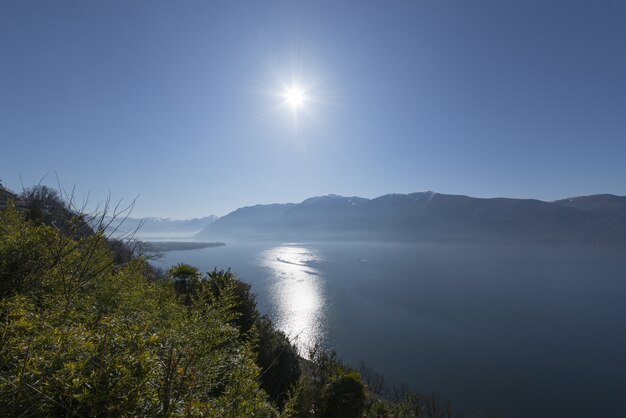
(159, 227)
(430, 216)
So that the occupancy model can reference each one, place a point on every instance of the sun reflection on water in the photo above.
(296, 293)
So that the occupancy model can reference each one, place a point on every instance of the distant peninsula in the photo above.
(164, 246)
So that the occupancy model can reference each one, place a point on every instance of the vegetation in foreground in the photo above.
(89, 329)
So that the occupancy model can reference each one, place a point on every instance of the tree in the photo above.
(277, 357)
(278, 360)
(224, 282)
(184, 278)
(344, 396)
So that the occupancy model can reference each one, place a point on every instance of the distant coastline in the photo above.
(165, 246)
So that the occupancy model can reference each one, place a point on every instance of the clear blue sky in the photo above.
(172, 100)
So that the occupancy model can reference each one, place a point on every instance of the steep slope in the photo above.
(453, 217)
(249, 221)
(611, 229)
(599, 203)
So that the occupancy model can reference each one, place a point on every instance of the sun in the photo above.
(295, 97)
(296, 94)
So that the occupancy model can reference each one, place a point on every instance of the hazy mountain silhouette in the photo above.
(160, 227)
(601, 203)
(611, 210)
(429, 216)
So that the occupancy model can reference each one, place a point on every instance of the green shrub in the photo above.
(278, 360)
(343, 396)
(84, 336)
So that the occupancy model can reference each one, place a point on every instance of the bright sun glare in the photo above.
(294, 97)
(296, 94)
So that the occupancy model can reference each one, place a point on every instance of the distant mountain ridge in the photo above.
(600, 203)
(159, 227)
(430, 216)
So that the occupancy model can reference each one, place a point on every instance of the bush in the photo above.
(278, 360)
(223, 284)
(344, 396)
(84, 336)
(277, 357)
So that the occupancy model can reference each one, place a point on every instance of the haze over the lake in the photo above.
(203, 107)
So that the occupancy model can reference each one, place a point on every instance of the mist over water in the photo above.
(527, 331)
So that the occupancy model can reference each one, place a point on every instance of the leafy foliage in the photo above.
(277, 357)
(224, 283)
(279, 361)
(84, 336)
(343, 396)
(327, 388)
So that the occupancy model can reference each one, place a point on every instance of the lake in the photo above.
(526, 331)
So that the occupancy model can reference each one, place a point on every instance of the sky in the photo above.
(182, 103)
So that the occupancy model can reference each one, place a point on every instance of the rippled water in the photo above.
(297, 293)
(530, 332)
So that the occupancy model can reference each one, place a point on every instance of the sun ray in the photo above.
(295, 96)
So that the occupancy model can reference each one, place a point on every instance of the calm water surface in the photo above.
(527, 331)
